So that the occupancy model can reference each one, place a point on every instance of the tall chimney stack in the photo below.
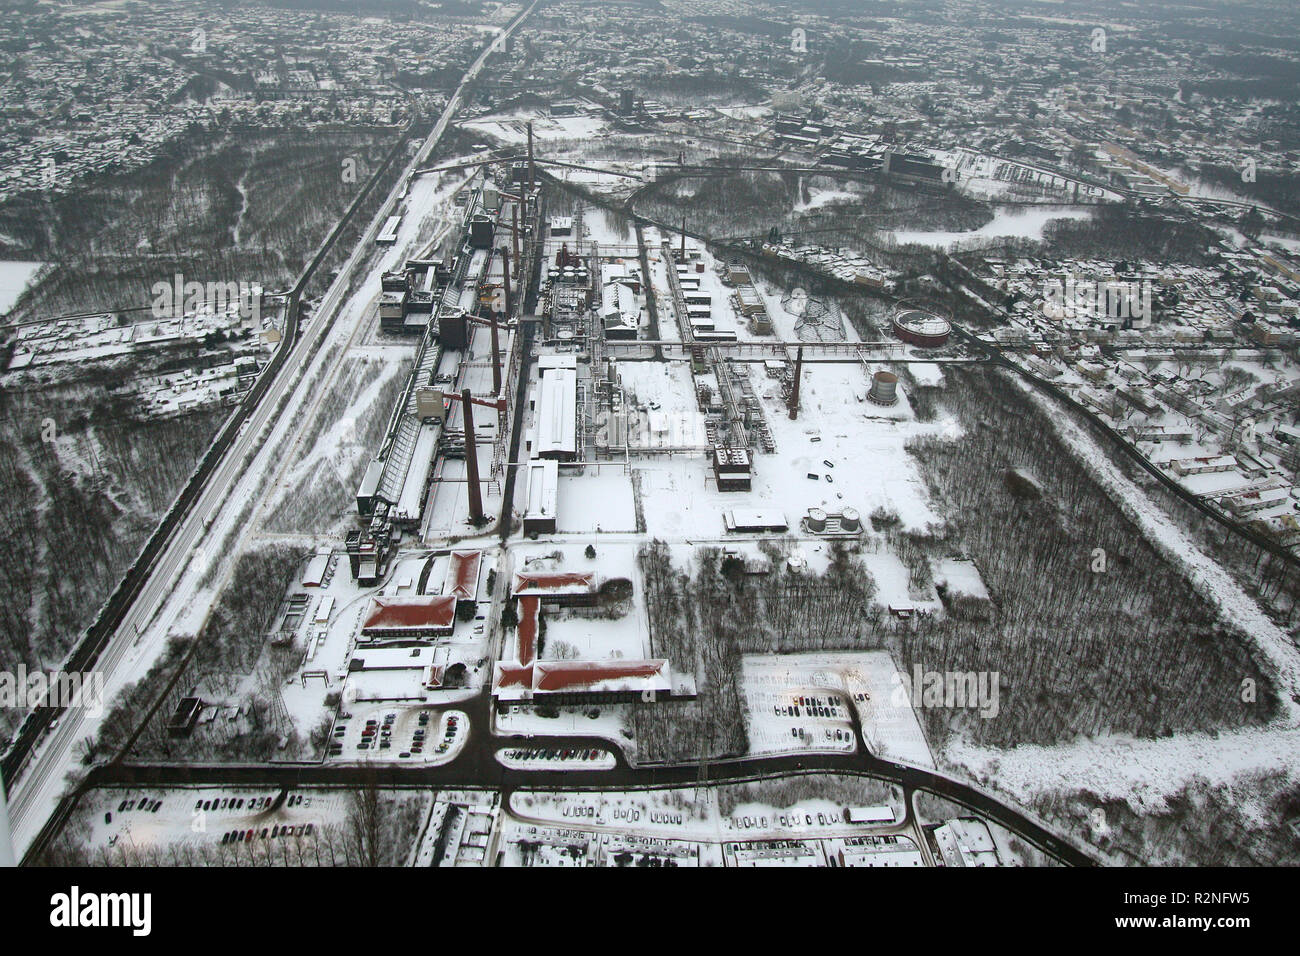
(794, 388)
(471, 458)
(531, 174)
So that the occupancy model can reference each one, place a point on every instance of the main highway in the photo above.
(37, 782)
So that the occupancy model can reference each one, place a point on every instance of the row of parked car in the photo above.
(835, 734)
(235, 803)
(143, 804)
(448, 735)
(812, 707)
(785, 820)
(277, 832)
(538, 753)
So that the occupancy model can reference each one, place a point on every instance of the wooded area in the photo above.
(1131, 649)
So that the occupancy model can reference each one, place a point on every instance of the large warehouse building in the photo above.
(556, 415)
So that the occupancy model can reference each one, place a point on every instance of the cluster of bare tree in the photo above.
(219, 207)
(230, 663)
(1096, 632)
(82, 484)
(706, 623)
(794, 611)
(697, 625)
(751, 202)
(1119, 231)
(781, 792)
(381, 826)
(1250, 823)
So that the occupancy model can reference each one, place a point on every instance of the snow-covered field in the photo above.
(512, 128)
(1026, 222)
(14, 278)
(865, 680)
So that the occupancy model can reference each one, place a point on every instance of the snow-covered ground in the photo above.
(512, 127)
(865, 680)
(14, 279)
(608, 722)
(1021, 222)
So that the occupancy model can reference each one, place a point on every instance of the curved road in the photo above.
(477, 767)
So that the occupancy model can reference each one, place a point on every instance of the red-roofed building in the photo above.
(569, 682)
(581, 682)
(530, 612)
(558, 587)
(462, 575)
(431, 615)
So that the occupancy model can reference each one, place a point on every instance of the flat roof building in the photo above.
(556, 415)
(542, 483)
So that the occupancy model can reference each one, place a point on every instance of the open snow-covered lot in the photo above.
(815, 691)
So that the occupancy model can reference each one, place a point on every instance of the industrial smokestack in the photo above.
(531, 175)
(500, 317)
(471, 458)
(794, 388)
(683, 238)
(505, 270)
(515, 233)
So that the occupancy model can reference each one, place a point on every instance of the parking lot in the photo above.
(147, 822)
(788, 720)
(399, 733)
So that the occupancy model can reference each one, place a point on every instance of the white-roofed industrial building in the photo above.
(556, 416)
(542, 483)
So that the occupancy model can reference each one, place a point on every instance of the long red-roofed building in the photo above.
(559, 587)
(430, 615)
(581, 681)
(530, 610)
(525, 678)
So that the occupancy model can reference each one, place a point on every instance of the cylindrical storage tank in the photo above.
(796, 563)
(850, 520)
(921, 327)
(884, 388)
(699, 267)
(816, 519)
